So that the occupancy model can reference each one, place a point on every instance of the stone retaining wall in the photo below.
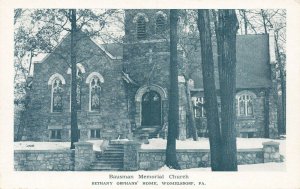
(187, 158)
(79, 159)
(44, 160)
(135, 158)
(84, 156)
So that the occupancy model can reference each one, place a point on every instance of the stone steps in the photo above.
(111, 159)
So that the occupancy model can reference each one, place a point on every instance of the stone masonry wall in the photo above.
(251, 124)
(145, 61)
(84, 156)
(44, 160)
(134, 158)
(131, 158)
(112, 119)
(155, 159)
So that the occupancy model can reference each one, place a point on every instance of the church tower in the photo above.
(146, 62)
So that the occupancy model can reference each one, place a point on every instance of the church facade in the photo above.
(123, 89)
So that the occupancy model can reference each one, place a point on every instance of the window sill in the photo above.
(56, 112)
(245, 117)
(93, 113)
(200, 117)
(55, 140)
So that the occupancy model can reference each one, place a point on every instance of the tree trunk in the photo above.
(283, 85)
(173, 119)
(267, 117)
(245, 21)
(263, 15)
(74, 125)
(227, 28)
(210, 95)
(190, 113)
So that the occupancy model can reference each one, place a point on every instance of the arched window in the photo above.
(94, 80)
(95, 94)
(57, 103)
(56, 81)
(160, 24)
(245, 104)
(141, 28)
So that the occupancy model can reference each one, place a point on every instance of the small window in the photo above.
(160, 24)
(199, 111)
(55, 134)
(250, 135)
(245, 105)
(95, 133)
(141, 28)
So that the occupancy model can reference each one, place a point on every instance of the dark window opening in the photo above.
(95, 133)
(250, 135)
(141, 28)
(55, 134)
(160, 24)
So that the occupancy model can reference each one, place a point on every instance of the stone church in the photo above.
(123, 89)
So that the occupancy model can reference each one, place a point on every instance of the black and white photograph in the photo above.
(149, 97)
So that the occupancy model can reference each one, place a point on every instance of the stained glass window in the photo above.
(245, 105)
(95, 94)
(57, 103)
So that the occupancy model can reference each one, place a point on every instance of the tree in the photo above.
(73, 51)
(190, 112)
(282, 75)
(210, 94)
(226, 30)
(188, 42)
(173, 118)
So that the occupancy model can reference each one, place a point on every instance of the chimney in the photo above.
(272, 47)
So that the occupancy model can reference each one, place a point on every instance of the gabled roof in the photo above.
(116, 49)
(252, 67)
(113, 51)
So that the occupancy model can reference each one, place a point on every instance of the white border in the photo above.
(11, 179)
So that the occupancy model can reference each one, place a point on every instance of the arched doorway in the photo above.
(151, 109)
